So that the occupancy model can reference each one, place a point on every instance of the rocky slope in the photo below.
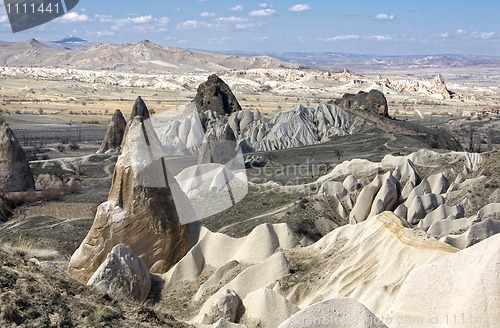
(36, 296)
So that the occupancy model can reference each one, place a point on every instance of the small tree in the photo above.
(337, 153)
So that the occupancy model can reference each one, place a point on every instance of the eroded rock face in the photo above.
(114, 135)
(373, 101)
(15, 171)
(215, 95)
(140, 211)
(123, 274)
(464, 282)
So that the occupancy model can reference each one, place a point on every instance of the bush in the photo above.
(74, 146)
(60, 148)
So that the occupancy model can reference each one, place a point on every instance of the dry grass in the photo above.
(32, 296)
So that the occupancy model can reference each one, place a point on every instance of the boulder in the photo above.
(225, 307)
(114, 134)
(351, 184)
(215, 95)
(334, 313)
(15, 171)
(373, 101)
(144, 209)
(123, 274)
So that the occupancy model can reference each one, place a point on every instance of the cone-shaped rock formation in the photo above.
(114, 135)
(140, 210)
(15, 171)
(215, 95)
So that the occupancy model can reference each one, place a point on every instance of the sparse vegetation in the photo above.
(74, 146)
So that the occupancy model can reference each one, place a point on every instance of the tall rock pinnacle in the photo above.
(215, 95)
(140, 211)
(15, 171)
(114, 135)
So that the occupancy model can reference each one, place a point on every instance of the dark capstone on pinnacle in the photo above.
(215, 95)
(373, 101)
(114, 135)
(140, 109)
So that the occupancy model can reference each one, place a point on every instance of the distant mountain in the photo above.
(333, 60)
(72, 42)
(143, 57)
(148, 57)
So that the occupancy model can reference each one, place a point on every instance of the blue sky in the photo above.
(384, 27)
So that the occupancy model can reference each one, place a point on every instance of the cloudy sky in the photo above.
(384, 27)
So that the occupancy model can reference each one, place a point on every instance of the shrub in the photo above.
(74, 146)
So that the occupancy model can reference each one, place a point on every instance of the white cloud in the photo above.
(385, 17)
(463, 34)
(142, 19)
(191, 25)
(104, 18)
(233, 19)
(300, 7)
(381, 37)
(102, 33)
(264, 5)
(207, 14)
(487, 35)
(3, 18)
(146, 23)
(342, 38)
(263, 12)
(444, 34)
(74, 17)
(236, 8)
